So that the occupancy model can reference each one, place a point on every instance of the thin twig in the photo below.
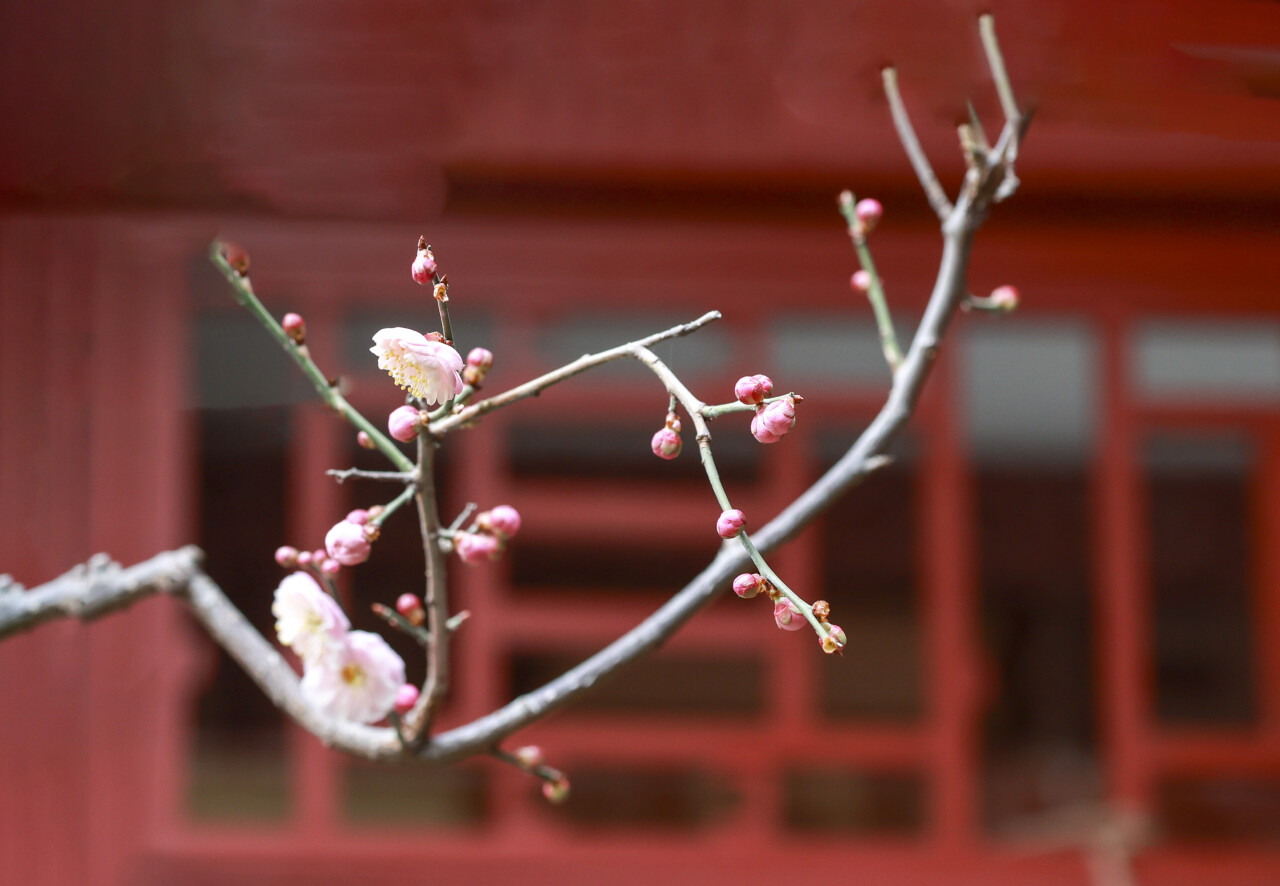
(582, 364)
(995, 60)
(875, 292)
(242, 290)
(907, 135)
(391, 476)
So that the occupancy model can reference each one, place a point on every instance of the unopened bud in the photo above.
(869, 212)
(834, 640)
(371, 530)
(475, 548)
(556, 791)
(359, 517)
(424, 265)
(666, 443)
(410, 607)
(504, 521)
(771, 422)
(480, 358)
(730, 523)
(330, 566)
(235, 256)
(752, 389)
(528, 756)
(364, 441)
(1004, 298)
(748, 584)
(861, 281)
(406, 698)
(287, 556)
(787, 615)
(821, 609)
(403, 423)
(303, 558)
(295, 327)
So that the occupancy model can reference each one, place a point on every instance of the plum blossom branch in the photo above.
(96, 589)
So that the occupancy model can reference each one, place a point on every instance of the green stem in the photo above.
(243, 293)
(710, 413)
(717, 486)
(392, 506)
(463, 396)
(875, 293)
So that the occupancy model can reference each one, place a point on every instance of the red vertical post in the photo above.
(948, 580)
(1120, 588)
(1267, 580)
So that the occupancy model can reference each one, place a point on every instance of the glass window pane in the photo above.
(1201, 566)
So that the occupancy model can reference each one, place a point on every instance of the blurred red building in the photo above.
(1063, 600)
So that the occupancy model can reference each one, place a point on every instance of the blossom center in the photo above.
(353, 676)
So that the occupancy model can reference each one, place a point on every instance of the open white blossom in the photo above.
(308, 620)
(427, 369)
(359, 682)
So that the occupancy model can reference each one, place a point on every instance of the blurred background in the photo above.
(1063, 599)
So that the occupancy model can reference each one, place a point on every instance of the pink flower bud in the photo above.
(730, 523)
(556, 791)
(787, 615)
(318, 558)
(234, 255)
(346, 543)
(773, 421)
(295, 327)
(834, 640)
(504, 521)
(480, 358)
(1004, 298)
(528, 756)
(287, 556)
(410, 607)
(403, 423)
(364, 441)
(359, 517)
(666, 443)
(406, 698)
(303, 558)
(752, 389)
(861, 281)
(330, 566)
(748, 584)
(479, 362)
(424, 268)
(474, 548)
(869, 212)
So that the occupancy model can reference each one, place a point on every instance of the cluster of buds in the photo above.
(772, 420)
(488, 536)
(555, 786)
(786, 614)
(479, 362)
(666, 442)
(347, 543)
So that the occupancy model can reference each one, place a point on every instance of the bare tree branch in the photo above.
(907, 135)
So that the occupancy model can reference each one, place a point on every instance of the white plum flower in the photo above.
(425, 368)
(308, 620)
(359, 682)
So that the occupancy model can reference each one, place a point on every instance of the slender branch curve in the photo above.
(99, 586)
